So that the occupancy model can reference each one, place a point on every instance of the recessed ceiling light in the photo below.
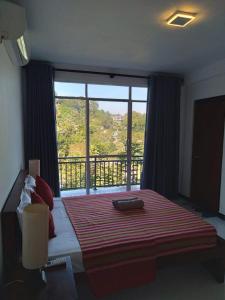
(181, 19)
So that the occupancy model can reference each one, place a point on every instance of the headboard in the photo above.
(11, 234)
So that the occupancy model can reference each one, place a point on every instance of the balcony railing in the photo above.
(105, 171)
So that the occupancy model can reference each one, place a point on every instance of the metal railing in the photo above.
(105, 171)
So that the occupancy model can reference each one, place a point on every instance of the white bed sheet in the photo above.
(65, 242)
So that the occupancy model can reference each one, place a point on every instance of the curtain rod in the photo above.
(101, 73)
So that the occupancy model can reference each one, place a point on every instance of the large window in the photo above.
(100, 133)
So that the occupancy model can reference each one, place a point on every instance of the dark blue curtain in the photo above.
(161, 154)
(40, 125)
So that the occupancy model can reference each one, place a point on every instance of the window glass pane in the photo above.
(137, 146)
(71, 127)
(108, 91)
(108, 143)
(69, 89)
(138, 128)
(71, 142)
(108, 128)
(139, 93)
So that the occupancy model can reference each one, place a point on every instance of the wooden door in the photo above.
(207, 151)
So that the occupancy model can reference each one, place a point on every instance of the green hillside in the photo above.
(108, 132)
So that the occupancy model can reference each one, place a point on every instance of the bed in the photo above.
(67, 241)
(110, 245)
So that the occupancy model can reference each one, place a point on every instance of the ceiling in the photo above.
(126, 34)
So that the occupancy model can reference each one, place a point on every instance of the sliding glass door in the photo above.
(100, 130)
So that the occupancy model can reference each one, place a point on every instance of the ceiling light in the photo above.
(181, 19)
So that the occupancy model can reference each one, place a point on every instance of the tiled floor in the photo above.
(219, 224)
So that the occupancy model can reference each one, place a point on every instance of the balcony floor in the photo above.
(100, 190)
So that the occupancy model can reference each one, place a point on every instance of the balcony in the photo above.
(106, 171)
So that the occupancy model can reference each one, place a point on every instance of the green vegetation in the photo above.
(108, 135)
(108, 132)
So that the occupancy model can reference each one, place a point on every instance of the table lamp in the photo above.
(34, 167)
(35, 222)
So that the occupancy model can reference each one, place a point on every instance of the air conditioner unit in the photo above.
(18, 50)
(13, 32)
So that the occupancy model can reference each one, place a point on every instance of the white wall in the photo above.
(11, 136)
(204, 83)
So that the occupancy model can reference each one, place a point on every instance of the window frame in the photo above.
(129, 127)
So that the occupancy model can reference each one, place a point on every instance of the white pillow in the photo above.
(30, 183)
(25, 199)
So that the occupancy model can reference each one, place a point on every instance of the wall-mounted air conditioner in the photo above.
(13, 33)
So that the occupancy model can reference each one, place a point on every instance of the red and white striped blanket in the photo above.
(120, 248)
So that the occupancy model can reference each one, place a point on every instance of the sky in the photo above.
(105, 91)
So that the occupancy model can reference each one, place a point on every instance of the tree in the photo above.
(108, 136)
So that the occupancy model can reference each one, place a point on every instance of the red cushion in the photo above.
(35, 198)
(44, 190)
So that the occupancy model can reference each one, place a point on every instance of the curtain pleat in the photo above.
(40, 121)
(161, 154)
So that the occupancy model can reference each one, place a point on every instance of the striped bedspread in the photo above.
(120, 248)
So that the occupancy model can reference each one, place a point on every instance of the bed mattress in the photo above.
(65, 242)
(161, 223)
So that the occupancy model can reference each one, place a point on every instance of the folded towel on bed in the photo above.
(129, 203)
